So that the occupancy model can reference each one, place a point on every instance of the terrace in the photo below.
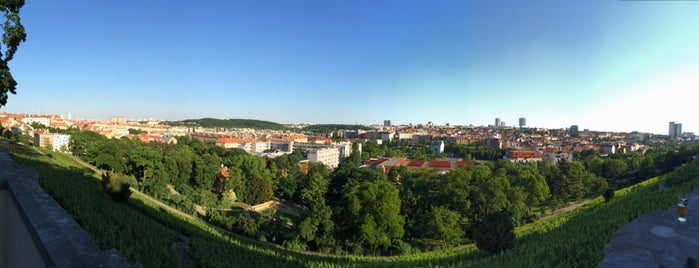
(657, 239)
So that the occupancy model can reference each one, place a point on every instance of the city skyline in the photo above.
(607, 66)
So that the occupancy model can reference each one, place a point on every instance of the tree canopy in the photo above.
(13, 35)
(230, 123)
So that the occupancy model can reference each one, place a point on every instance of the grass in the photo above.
(571, 239)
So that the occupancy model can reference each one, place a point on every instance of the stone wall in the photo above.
(35, 231)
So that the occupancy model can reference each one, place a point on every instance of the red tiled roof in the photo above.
(228, 140)
(463, 164)
(374, 161)
(416, 163)
(440, 164)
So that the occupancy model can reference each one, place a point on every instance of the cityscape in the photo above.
(535, 145)
(337, 134)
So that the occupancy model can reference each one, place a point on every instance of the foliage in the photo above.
(111, 224)
(374, 209)
(495, 233)
(444, 224)
(328, 128)
(230, 123)
(13, 35)
(116, 185)
(478, 152)
(134, 131)
(316, 228)
(608, 195)
(259, 190)
(573, 239)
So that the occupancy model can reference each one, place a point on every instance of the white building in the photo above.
(259, 146)
(46, 121)
(328, 156)
(56, 142)
(405, 135)
(60, 142)
(437, 146)
(386, 136)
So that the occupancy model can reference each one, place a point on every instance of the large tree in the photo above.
(444, 224)
(12, 36)
(374, 214)
(317, 226)
(495, 233)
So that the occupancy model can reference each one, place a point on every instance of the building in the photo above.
(522, 156)
(40, 119)
(54, 141)
(258, 147)
(437, 146)
(574, 131)
(328, 156)
(60, 142)
(386, 136)
(386, 123)
(606, 149)
(442, 165)
(228, 142)
(675, 130)
(497, 121)
(522, 122)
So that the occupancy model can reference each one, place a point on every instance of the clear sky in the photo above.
(603, 65)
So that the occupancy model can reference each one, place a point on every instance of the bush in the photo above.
(608, 195)
(495, 233)
(117, 186)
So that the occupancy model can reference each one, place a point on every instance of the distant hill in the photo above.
(325, 128)
(230, 123)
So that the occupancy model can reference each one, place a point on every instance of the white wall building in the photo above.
(259, 146)
(60, 142)
(328, 156)
(46, 121)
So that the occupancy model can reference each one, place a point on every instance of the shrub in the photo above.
(495, 233)
(608, 195)
(117, 186)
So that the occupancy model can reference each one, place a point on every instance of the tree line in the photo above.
(357, 210)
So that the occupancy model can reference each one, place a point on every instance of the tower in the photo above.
(522, 122)
(497, 121)
(675, 130)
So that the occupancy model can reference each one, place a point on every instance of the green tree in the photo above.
(258, 190)
(569, 184)
(13, 35)
(495, 233)
(533, 183)
(608, 195)
(116, 185)
(374, 209)
(487, 195)
(144, 161)
(614, 168)
(444, 224)
(178, 163)
(317, 227)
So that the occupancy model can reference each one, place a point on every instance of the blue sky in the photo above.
(603, 65)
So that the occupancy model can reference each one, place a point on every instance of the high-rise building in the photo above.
(386, 123)
(497, 121)
(574, 131)
(675, 130)
(522, 122)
